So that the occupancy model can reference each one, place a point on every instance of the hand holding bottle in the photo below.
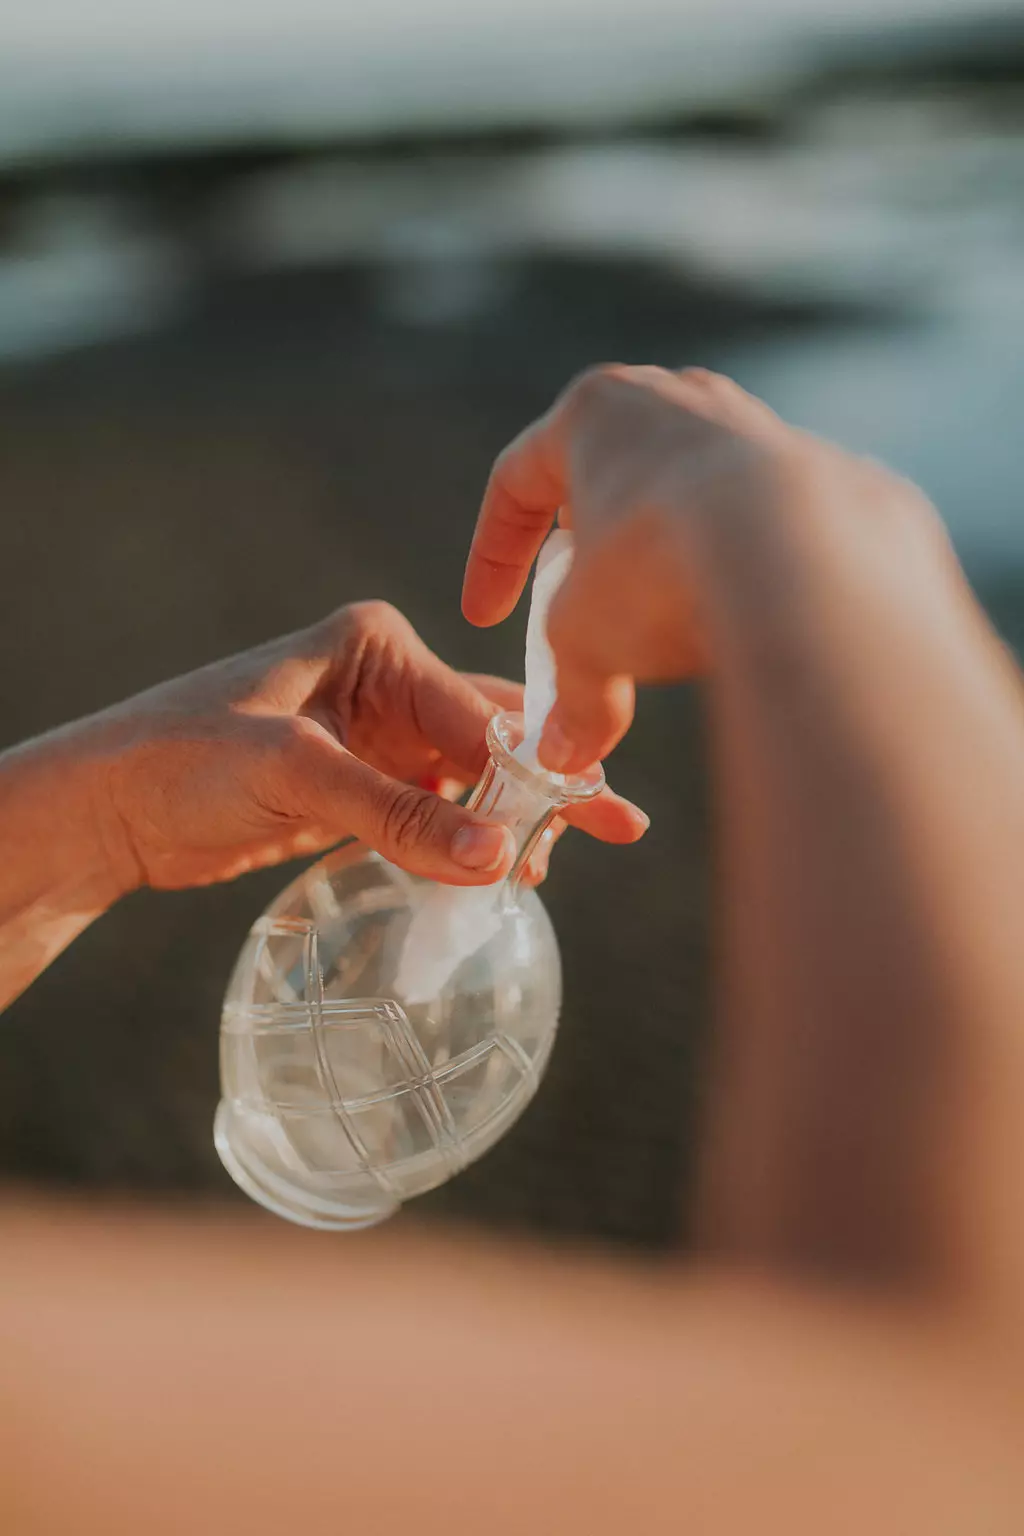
(350, 728)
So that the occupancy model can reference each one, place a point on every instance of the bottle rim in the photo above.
(506, 732)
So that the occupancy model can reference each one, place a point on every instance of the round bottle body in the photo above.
(340, 1101)
(382, 1031)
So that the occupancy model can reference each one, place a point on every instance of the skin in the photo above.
(846, 1353)
(868, 746)
(350, 728)
(176, 1374)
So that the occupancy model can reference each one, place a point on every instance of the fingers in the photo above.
(501, 691)
(626, 613)
(536, 870)
(526, 488)
(452, 711)
(447, 788)
(389, 694)
(596, 696)
(417, 830)
(617, 411)
(529, 487)
(591, 715)
(611, 818)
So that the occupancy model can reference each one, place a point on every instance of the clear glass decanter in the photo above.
(342, 1098)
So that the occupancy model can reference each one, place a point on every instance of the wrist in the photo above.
(789, 547)
(59, 816)
(60, 870)
(97, 754)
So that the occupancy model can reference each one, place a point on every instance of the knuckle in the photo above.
(372, 616)
(297, 734)
(410, 818)
(284, 770)
(597, 383)
(712, 395)
(908, 508)
(616, 397)
(296, 755)
(720, 398)
(706, 379)
(589, 380)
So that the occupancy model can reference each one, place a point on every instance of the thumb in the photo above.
(417, 830)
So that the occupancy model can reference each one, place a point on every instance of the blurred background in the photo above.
(278, 280)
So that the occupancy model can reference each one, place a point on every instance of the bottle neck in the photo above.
(515, 792)
(507, 797)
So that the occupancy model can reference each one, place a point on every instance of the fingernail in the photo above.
(641, 818)
(556, 750)
(481, 848)
(537, 867)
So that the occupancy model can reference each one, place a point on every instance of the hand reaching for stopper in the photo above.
(687, 497)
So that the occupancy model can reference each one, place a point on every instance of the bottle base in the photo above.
(302, 1210)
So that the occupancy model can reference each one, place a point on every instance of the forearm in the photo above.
(398, 1382)
(869, 745)
(56, 875)
(870, 767)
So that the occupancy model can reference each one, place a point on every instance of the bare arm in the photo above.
(868, 737)
(56, 876)
(176, 1375)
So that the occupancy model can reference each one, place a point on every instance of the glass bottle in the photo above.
(343, 1096)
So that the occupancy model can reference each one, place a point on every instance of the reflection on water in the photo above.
(79, 270)
(906, 211)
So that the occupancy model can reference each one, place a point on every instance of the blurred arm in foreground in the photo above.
(868, 743)
(184, 1377)
(848, 1359)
